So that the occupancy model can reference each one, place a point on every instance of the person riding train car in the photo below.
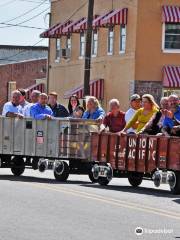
(135, 104)
(12, 108)
(115, 119)
(155, 124)
(78, 112)
(73, 104)
(23, 102)
(34, 99)
(41, 110)
(143, 115)
(171, 125)
(93, 110)
(58, 109)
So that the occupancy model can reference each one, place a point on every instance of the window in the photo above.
(94, 43)
(82, 44)
(68, 46)
(58, 48)
(122, 48)
(171, 37)
(110, 41)
(68, 42)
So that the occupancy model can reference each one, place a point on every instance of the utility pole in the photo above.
(87, 65)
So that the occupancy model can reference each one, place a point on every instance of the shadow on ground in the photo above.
(138, 190)
(38, 180)
(129, 189)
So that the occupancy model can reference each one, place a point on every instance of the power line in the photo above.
(31, 1)
(5, 4)
(22, 26)
(25, 13)
(27, 20)
(9, 58)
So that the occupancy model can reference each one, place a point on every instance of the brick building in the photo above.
(28, 71)
(135, 48)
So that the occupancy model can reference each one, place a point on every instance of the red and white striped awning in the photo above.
(171, 14)
(96, 90)
(55, 31)
(71, 27)
(82, 26)
(40, 87)
(171, 76)
(58, 30)
(98, 20)
(46, 34)
(117, 17)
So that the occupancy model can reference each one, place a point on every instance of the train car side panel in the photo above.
(113, 148)
(122, 152)
(131, 152)
(104, 142)
(18, 136)
(94, 146)
(151, 159)
(142, 143)
(1, 134)
(174, 154)
(162, 154)
(8, 133)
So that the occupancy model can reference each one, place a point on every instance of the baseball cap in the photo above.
(135, 97)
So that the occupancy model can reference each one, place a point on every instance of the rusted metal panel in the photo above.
(113, 150)
(162, 152)
(104, 142)
(141, 152)
(151, 156)
(131, 152)
(122, 151)
(174, 154)
(95, 146)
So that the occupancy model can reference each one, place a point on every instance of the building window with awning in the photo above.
(82, 44)
(122, 47)
(172, 36)
(110, 41)
(171, 29)
(94, 43)
(58, 50)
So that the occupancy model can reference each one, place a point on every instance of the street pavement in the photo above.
(36, 207)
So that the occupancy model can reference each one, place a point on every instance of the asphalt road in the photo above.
(35, 206)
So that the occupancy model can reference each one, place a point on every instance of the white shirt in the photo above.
(23, 106)
(128, 116)
(9, 107)
(26, 110)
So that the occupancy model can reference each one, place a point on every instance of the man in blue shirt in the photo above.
(41, 110)
(12, 108)
(171, 124)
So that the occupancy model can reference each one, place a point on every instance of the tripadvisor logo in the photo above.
(138, 231)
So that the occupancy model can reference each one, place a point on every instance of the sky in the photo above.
(14, 35)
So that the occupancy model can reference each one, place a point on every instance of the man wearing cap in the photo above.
(12, 108)
(58, 109)
(135, 104)
(41, 110)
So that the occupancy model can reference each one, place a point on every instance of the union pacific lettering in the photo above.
(142, 148)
